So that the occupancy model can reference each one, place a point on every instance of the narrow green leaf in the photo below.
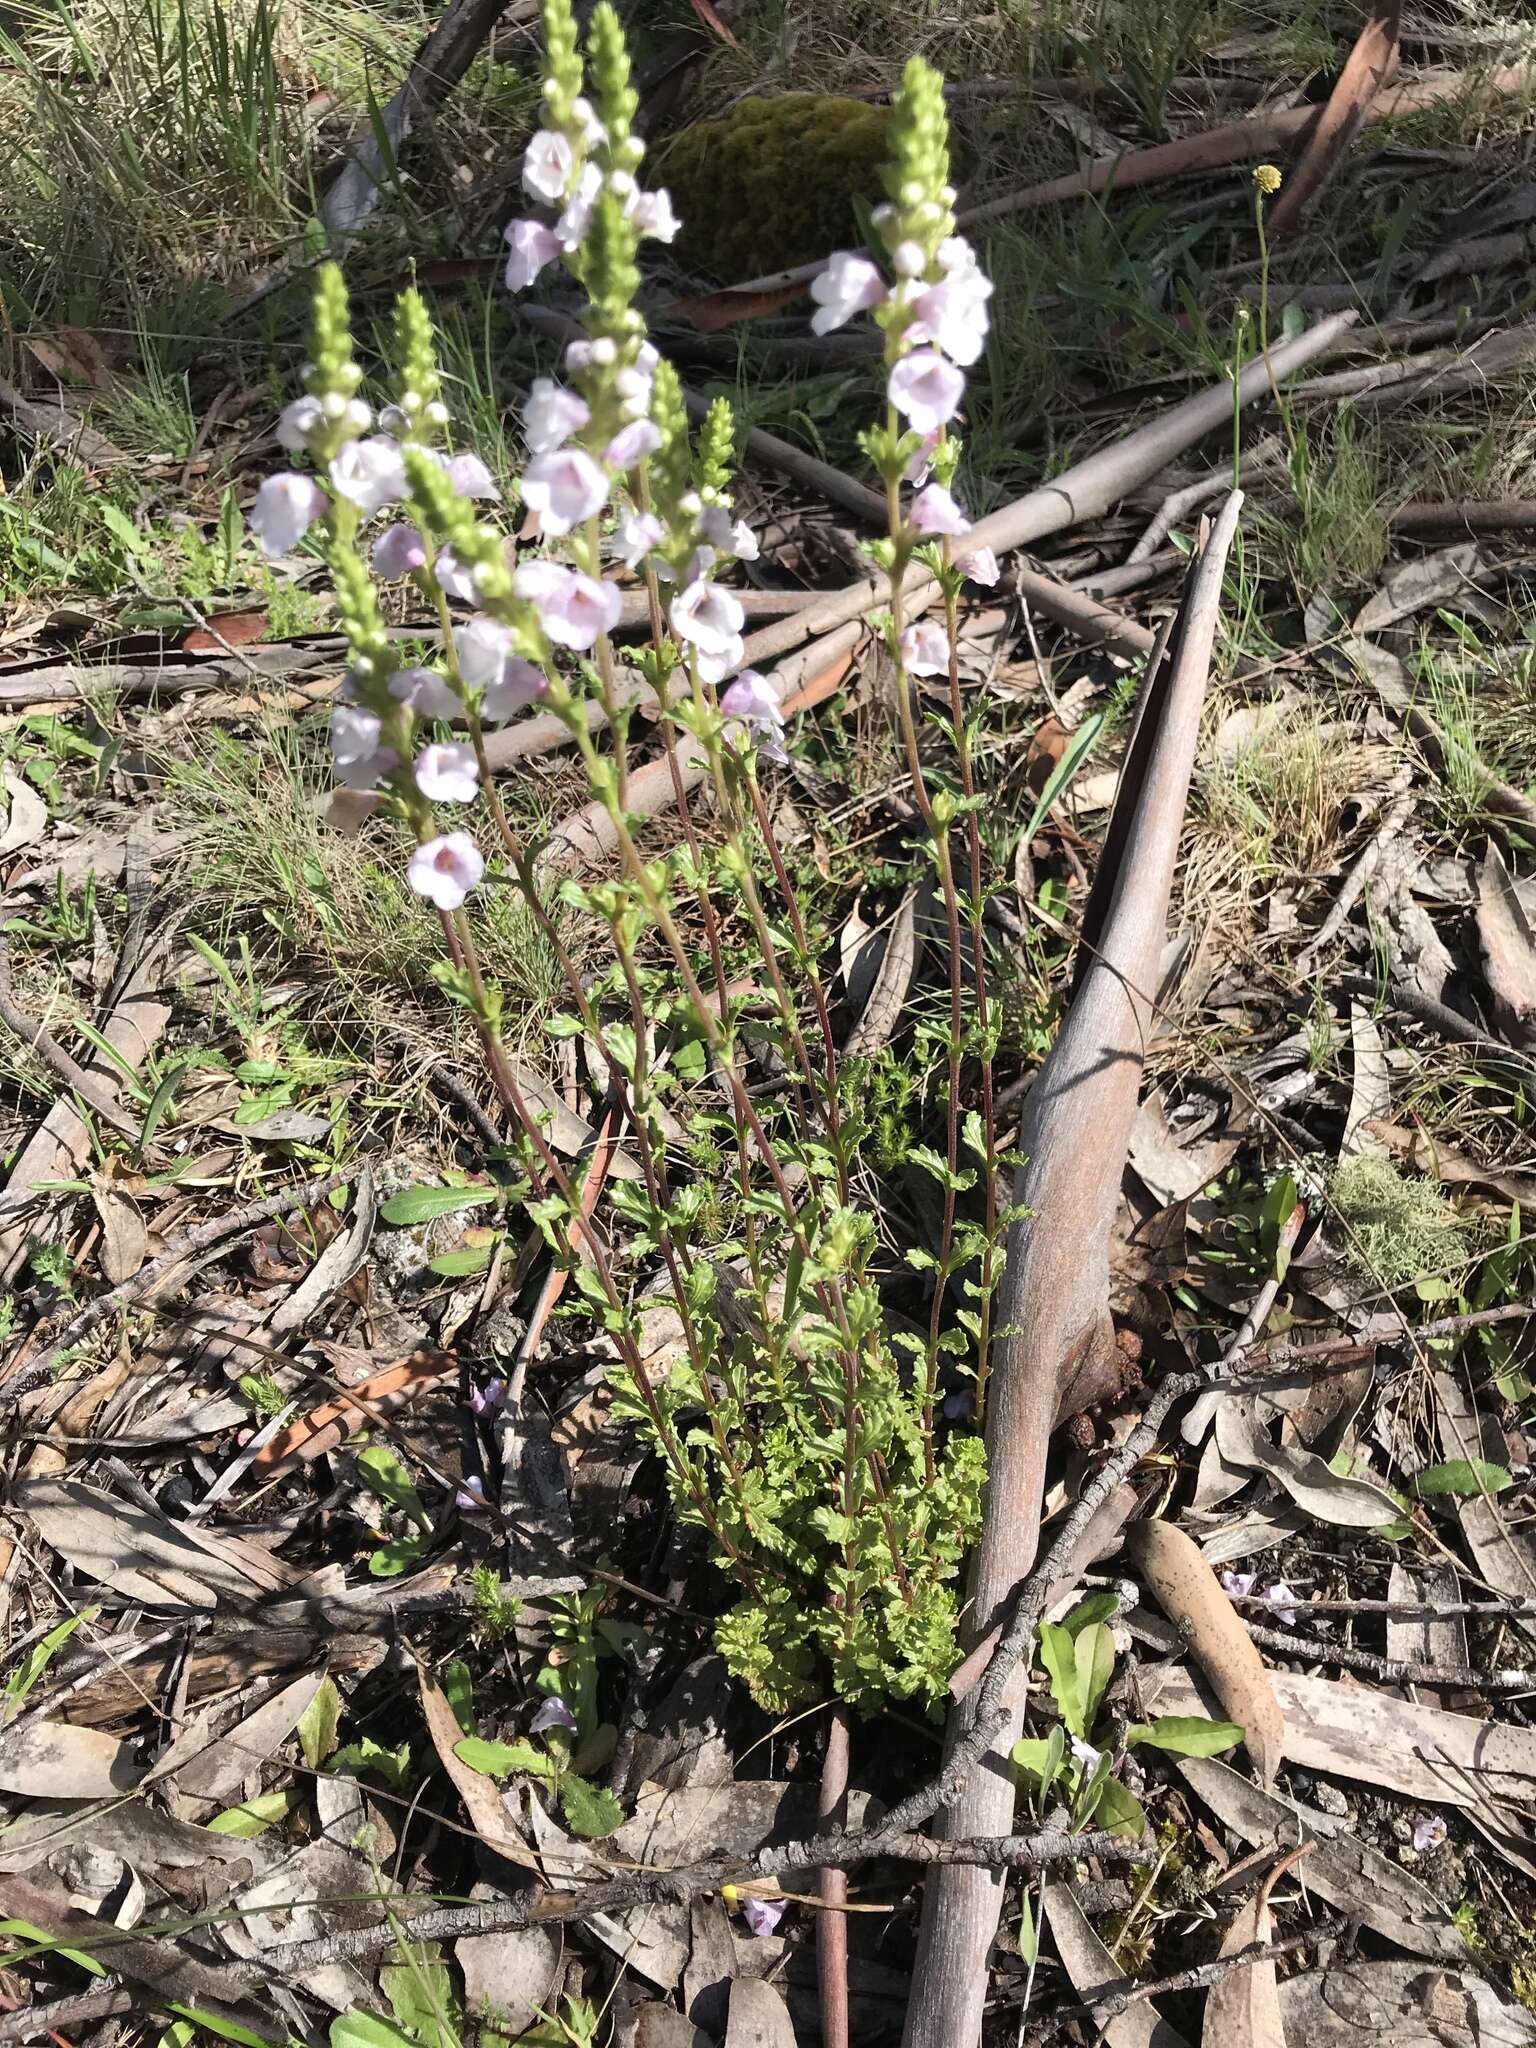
(1058, 1653)
(1185, 1735)
(1095, 1668)
(383, 1473)
(319, 1723)
(422, 1205)
(254, 1816)
(501, 1759)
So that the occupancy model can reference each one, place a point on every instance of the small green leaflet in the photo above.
(459, 1264)
(383, 1473)
(422, 1205)
(40, 1656)
(590, 1810)
(318, 1725)
(368, 2030)
(254, 1816)
(1463, 1477)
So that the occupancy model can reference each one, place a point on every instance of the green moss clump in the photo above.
(772, 183)
(1401, 1230)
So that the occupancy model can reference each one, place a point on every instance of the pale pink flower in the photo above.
(369, 771)
(484, 647)
(1239, 1584)
(763, 1915)
(935, 511)
(530, 246)
(297, 422)
(571, 227)
(584, 114)
(754, 700)
(564, 489)
(447, 773)
(953, 315)
(631, 443)
(652, 214)
(427, 693)
(916, 471)
(908, 260)
(1085, 1753)
(637, 534)
(286, 507)
(981, 566)
(397, 551)
(453, 578)
(707, 615)
(926, 389)
(354, 733)
(369, 474)
(744, 542)
(925, 649)
(548, 162)
(553, 1714)
(849, 284)
(470, 477)
(551, 415)
(487, 1399)
(727, 536)
(518, 685)
(445, 870)
(573, 609)
(470, 1498)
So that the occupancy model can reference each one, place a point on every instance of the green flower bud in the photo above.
(358, 606)
(562, 64)
(614, 98)
(717, 450)
(419, 393)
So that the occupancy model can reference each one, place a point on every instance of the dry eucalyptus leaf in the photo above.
(1310, 1481)
(1358, 1732)
(1359, 2004)
(481, 1795)
(1190, 1594)
(890, 979)
(1342, 1870)
(145, 1557)
(335, 1265)
(213, 1766)
(1370, 1095)
(511, 1977)
(1504, 1552)
(1425, 581)
(1242, 2009)
(1508, 950)
(57, 1760)
(1094, 1971)
(759, 2018)
(28, 819)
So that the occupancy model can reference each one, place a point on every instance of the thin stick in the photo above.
(832, 1926)
(1392, 1670)
(89, 1087)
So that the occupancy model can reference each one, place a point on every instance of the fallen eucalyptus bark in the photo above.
(1055, 1351)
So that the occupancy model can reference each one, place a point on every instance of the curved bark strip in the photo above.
(1370, 69)
(1054, 1350)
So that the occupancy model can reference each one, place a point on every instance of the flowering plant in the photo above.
(801, 1433)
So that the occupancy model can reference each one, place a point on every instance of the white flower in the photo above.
(925, 649)
(518, 685)
(926, 389)
(368, 772)
(563, 489)
(425, 692)
(935, 511)
(638, 533)
(707, 615)
(725, 536)
(530, 246)
(1239, 1584)
(1085, 1753)
(453, 578)
(1428, 1832)
(652, 214)
(354, 734)
(571, 227)
(753, 699)
(573, 609)
(370, 474)
(552, 415)
(286, 506)
(848, 285)
(631, 443)
(981, 566)
(1280, 1596)
(953, 315)
(744, 542)
(908, 260)
(470, 477)
(715, 665)
(447, 773)
(397, 551)
(484, 647)
(547, 165)
(297, 423)
(446, 869)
